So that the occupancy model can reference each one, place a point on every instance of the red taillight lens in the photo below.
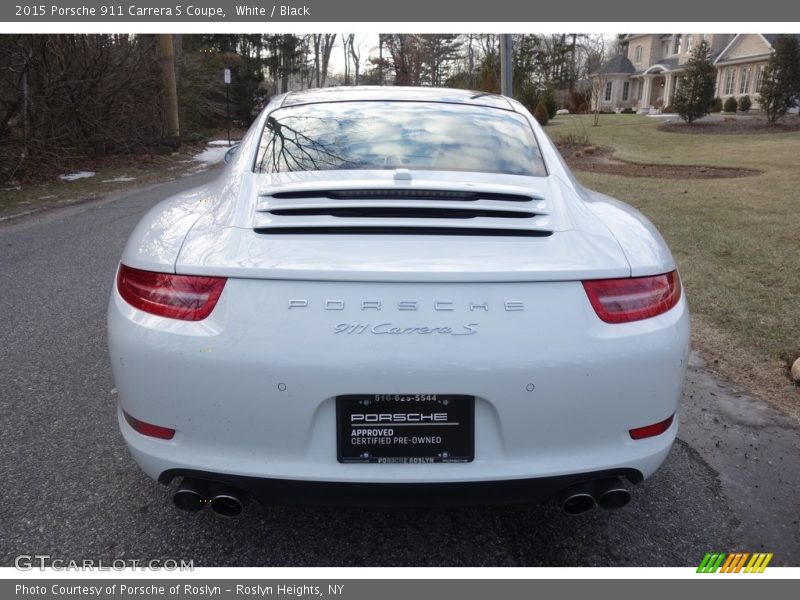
(651, 430)
(633, 298)
(185, 297)
(162, 433)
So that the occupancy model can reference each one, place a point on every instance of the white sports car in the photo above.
(397, 296)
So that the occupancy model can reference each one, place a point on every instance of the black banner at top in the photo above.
(361, 11)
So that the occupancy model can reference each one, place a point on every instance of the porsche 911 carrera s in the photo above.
(397, 296)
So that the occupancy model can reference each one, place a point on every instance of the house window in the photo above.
(759, 78)
(744, 80)
(607, 96)
(730, 78)
(626, 88)
(676, 45)
(638, 54)
(664, 48)
(689, 40)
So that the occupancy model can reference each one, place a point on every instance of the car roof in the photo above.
(397, 93)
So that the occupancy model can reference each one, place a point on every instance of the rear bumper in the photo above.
(251, 391)
(326, 493)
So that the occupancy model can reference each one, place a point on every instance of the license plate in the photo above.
(405, 428)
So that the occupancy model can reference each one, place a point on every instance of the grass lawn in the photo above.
(737, 241)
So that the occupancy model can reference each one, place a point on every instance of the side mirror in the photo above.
(231, 153)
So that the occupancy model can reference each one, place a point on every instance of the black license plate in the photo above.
(405, 428)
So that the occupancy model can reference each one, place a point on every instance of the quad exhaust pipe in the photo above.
(193, 495)
(611, 494)
(606, 493)
(576, 499)
(228, 502)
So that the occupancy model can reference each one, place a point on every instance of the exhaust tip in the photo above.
(611, 494)
(190, 496)
(576, 499)
(229, 502)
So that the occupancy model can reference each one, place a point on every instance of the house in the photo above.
(645, 74)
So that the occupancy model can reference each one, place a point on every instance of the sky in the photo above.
(368, 42)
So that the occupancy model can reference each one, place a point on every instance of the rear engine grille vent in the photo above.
(406, 194)
(402, 212)
(392, 230)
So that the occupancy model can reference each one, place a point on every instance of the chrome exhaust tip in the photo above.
(576, 499)
(191, 495)
(229, 502)
(611, 494)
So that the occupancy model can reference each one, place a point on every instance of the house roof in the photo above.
(771, 37)
(618, 64)
(672, 63)
(667, 63)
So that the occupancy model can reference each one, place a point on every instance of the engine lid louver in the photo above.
(406, 211)
(405, 194)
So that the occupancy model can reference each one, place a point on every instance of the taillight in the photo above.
(156, 431)
(651, 430)
(186, 297)
(633, 298)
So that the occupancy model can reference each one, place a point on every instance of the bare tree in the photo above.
(438, 53)
(380, 58)
(471, 61)
(597, 54)
(355, 53)
(489, 44)
(346, 41)
(319, 47)
(408, 58)
(69, 97)
(326, 47)
(167, 59)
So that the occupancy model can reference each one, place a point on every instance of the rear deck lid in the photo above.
(404, 226)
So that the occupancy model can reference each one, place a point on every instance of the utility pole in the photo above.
(170, 86)
(380, 58)
(227, 77)
(506, 69)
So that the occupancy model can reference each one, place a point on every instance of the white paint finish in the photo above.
(216, 381)
(235, 252)
(645, 249)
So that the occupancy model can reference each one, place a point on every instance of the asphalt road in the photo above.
(70, 490)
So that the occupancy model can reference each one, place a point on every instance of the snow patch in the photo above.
(78, 175)
(120, 179)
(214, 153)
(211, 155)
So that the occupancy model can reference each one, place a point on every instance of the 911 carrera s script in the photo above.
(392, 329)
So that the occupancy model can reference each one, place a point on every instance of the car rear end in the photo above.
(398, 336)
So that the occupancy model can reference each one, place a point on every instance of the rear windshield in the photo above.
(391, 135)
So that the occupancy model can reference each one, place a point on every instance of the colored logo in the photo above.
(735, 562)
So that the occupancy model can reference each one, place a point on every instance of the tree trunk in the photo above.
(170, 89)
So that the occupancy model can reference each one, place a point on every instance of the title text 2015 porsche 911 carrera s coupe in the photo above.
(397, 296)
